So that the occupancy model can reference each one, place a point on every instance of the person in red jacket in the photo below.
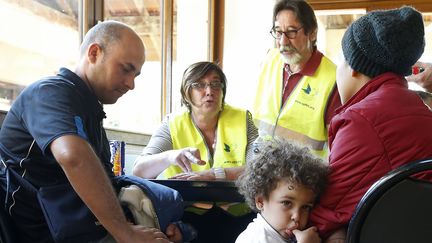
(381, 124)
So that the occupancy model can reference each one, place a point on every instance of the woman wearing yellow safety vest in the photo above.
(208, 140)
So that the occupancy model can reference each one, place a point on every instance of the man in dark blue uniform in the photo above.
(53, 134)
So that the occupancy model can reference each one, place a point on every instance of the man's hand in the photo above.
(424, 79)
(86, 174)
(174, 234)
(145, 235)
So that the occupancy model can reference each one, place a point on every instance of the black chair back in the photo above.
(397, 208)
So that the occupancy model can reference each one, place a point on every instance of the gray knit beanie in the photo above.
(385, 41)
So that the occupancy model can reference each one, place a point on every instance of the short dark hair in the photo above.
(193, 74)
(281, 159)
(303, 12)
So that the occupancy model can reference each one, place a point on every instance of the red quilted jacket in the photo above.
(383, 126)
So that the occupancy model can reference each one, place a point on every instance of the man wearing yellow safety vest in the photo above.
(297, 93)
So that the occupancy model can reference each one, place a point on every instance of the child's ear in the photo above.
(259, 202)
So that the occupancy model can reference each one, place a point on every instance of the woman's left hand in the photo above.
(206, 175)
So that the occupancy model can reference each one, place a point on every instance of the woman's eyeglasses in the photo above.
(203, 85)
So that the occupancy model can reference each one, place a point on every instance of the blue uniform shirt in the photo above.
(46, 110)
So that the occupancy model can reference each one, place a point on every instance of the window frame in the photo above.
(92, 11)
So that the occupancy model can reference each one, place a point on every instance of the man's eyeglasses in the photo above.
(203, 85)
(290, 34)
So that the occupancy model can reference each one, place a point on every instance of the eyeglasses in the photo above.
(203, 85)
(290, 34)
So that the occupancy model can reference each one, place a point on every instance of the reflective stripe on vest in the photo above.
(230, 150)
(302, 116)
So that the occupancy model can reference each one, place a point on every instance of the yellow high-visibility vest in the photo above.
(302, 117)
(231, 140)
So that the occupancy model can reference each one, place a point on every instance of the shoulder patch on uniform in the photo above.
(80, 127)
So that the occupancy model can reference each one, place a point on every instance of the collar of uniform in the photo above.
(71, 76)
(88, 93)
(312, 64)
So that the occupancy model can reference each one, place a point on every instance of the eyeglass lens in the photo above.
(290, 34)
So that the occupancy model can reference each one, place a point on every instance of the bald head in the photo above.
(111, 57)
(104, 34)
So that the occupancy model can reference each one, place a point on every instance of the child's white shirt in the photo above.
(259, 231)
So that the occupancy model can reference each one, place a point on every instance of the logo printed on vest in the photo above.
(308, 89)
(306, 99)
(227, 148)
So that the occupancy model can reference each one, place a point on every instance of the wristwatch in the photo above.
(219, 173)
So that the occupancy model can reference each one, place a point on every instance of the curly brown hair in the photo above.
(281, 159)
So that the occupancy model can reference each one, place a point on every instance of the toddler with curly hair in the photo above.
(282, 183)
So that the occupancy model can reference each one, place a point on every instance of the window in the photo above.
(36, 38)
(332, 25)
(176, 34)
(141, 110)
(247, 39)
(191, 41)
(246, 42)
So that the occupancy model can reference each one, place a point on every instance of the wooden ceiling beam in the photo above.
(421, 5)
